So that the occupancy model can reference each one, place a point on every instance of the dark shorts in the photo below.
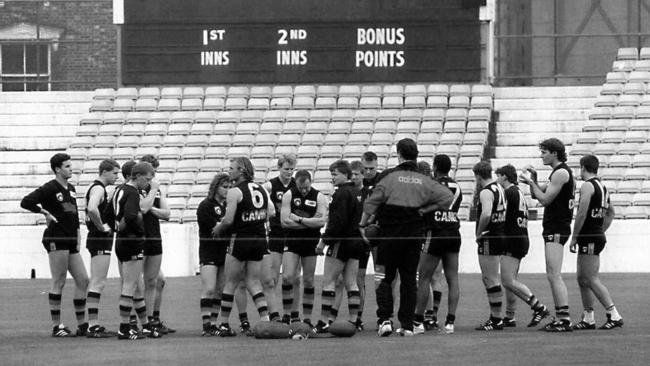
(62, 244)
(99, 243)
(301, 247)
(517, 247)
(491, 246)
(559, 238)
(153, 246)
(591, 246)
(213, 253)
(440, 243)
(277, 240)
(247, 248)
(388, 249)
(345, 250)
(129, 248)
(365, 257)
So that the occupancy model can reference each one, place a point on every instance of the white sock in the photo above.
(613, 313)
(588, 316)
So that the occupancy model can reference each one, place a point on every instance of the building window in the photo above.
(25, 67)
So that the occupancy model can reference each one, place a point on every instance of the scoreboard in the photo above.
(299, 41)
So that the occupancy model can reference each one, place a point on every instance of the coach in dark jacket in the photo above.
(395, 201)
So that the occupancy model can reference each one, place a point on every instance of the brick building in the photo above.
(57, 45)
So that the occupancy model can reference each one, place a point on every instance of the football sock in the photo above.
(287, 297)
(451, 318)
(80, 310)
(214, 310)
(354, 302)
(437, 296)
(243, 317)
(419, 318)
(126, 305)
(206, 309)
(534, 303)
(562, 313)
(226, 306)
(495, 295)
(55, 308)
(327, 298)
(588, 316)
(156, 313)
(262, 307)
(93, 307)
(611, 310)
(307, 301)
(141, 310)
(429, 314)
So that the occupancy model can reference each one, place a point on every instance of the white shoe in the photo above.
(418, 328)
(405, 333)
(448, 329)
(385, 328)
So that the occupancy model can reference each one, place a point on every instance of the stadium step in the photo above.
(28, 119)
(15, 219)
(11, 206)
(35, 143)
(544, 103)
(47, 97)
(538, 126)
(527, 139)
(38, 131)
(25, 157)
(547, 92)
(544, 115)
(21, 169)
(27, 181)
(18, 108)
(509, 152)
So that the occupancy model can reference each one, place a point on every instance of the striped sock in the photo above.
(206, 309)
(243, 317)
(287, 298)
(80, 310)
(327, 299)
(354, 302)
(156, 313)
(226, 306)
(562, 313)
(262, 307)
(141, 310)
(93, 307)
(214, 311)
(307, 301)
(495, 295)
(437, 296)
(126, 305)
(429, 314)
(55, 308)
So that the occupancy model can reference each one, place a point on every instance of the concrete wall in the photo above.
(627, 250)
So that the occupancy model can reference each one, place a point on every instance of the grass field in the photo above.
(25, 333)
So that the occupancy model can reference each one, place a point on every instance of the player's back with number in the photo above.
(252, 211)
(559, 212)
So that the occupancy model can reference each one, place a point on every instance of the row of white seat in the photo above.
(288, 91)
(621, 112)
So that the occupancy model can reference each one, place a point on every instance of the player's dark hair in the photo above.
(127, 168)
(356, 165)
(287, 158)
(57, 160)
(442, 164)
(246, 167)
(342, 166)
(424, 168)
(151, 160)
(303, 175)
(108, 165)
(217, 181)
(142, 168)
(483, 169)
(554, 145)
(407, 148)
(509, 172)
(590, 163)
(369, 156)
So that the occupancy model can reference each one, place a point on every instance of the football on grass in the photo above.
(271, 330)
(342, 329)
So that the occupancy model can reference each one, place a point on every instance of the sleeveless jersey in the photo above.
(446, 219)
(102, 208)
(304, 207)
(598, 205)
(516, 214)
(251, 213)
(277, 191)
(151, 222)
(496, 225)
(558, 214)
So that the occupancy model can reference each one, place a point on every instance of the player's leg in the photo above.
(332, 270)
(99, 264)
(308, 272)
(554, 252)
(509, 271)
(131, 273)
(233, 273)
(254, 285)
(151, 265)
(160, 287)
(241, 300)
(450, 265)
(590, 286)
(290, 272)
(270, 275)
(350, 270)
(407, 265)
(208, 297)
(435, 296)
(490, 275)
(77, 269)
(338, 298)
(426, 267)
(361, 283)
(58, 260)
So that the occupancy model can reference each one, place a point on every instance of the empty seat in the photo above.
(192, 152)
(330, 151)
(381, 139)
(88, 130)
(459, 101)
(156, 129)
(159, 117)
(101, 105)
(303, 103)
(324, 163)
(304, 91)
(600, 113)
(260, 92)
(178, 190)
(641, 160)
(193, 92)
(325, 103)
(250, 116)
(612, 173)
(340, 127)
(388, 115)
(354, 152)
(386, 126)
(414, 127)
(641, 199)
(623, 65)
(365, 115)
(635, 212)
(612, 89)
(358, 139)
(214, 104)
(235, 104)
(353, 102)
(481, 90)
(280, 103)
(309, 151)
(467, 162)
(606, 101)
(114, 118)
(620, 161)
(451, 138)
(433, 114)
(627, 53)
(390, 102)
(454, 127)
(349, 91)
(238, 92)
(459, 89)
(330, 91)
(176, 203)
(133, 130)
(220, 139)
(228, 117)
(642, 65)
(415, 102)
(266, 140)
(616, 77)
(476, 138)
(593, 125)
(631, 100)
(333, 139)
(362, 127)
(456, 115)
(169, 105)
(273, 116)
(604, 149)
(437, 101)
(238, 152)
(428, 138)
(104, 141)
(179, 129)
(171, 92)
(629, 186)
(146, 105)
(123, 153)
(243, 139)
(258, 104)
(104, 93)
(289, 140)
(282, 91)
(612, 136)
(629, 148)
(145, 150)
(621, 199)
(644, 54)
(169, 152)
(477, 126)
(127, 141)
(306, 163)
(635, 136)
(93, 118)
(415, 90)
(342, 115)
(201, 129)
(262, 151)
(634, 88)
(620, 112)
(215, 92)
(636, 174)
(484, 102)
(316, 127)
(183, 177)
(643, 112)
(192, 104)
(438, 90)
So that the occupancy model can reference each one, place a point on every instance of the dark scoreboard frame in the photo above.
(162, 41)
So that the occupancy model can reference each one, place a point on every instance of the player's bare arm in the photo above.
(287, 219)
(146, 202)
(545, 197)
(586, 191)
(163, 212)
(96, 196)
(232, 199)
(486, 209)
(320, 218)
